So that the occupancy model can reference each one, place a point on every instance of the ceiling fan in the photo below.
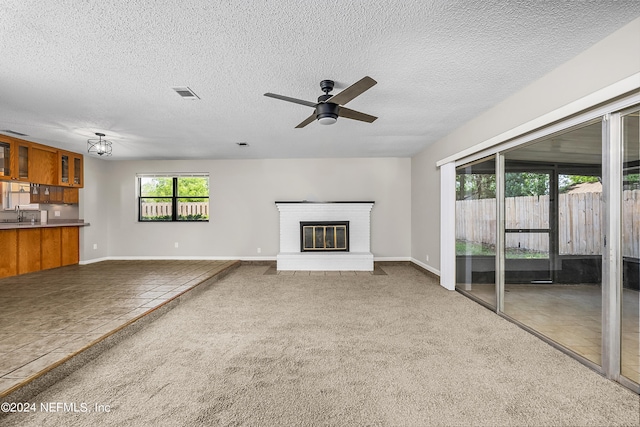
(329, 107)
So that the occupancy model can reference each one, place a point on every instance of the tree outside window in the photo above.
(173, 198)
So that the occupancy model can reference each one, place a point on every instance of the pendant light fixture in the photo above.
(101, 147)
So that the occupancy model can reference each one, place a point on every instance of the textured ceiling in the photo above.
(71, 68)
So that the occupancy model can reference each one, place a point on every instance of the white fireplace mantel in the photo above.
(359, 257)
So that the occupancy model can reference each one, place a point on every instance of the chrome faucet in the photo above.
(18, 213)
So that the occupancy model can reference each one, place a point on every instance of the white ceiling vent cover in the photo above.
(186, 93)
(13, 132)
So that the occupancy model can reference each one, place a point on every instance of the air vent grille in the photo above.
(13, 132)
(186, 92)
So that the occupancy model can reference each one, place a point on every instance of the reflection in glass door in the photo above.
(630, 331)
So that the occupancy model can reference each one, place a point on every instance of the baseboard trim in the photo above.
(391, 259)
(93, 260)
(425, 267)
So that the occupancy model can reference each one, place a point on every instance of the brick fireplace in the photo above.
(337, 236)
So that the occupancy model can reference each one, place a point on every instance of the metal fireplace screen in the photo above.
(324, 236)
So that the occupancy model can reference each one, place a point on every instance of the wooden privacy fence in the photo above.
(184, 209)
(580, 217)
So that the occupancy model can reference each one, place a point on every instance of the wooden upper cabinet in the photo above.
(39, 164)
(43, 165)
(14, 159)
(70, 169)
(6, 150)
(70, 196)
(56, 194)
(53, 194)
(21, 161)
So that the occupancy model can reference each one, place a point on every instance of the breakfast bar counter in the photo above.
(13, 225)
(28, 247)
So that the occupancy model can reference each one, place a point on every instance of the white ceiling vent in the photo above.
(13, 132)
(186, 93)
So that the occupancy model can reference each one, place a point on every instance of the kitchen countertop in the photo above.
(37, 224)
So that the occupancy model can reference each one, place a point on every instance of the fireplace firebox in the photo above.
(325, 236)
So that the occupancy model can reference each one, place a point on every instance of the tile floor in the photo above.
(50, 315)
(571, 316)
(377, 270)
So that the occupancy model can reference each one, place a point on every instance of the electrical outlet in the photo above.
(56, 213)
(259, 250)
(427, 257)
(175, 244)
(95, 246)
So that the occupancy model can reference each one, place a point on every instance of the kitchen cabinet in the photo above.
(6, 149)
(29, 250)
(26, 161)
(9, 258)
(43, 164)
(14, 159)
(70, 245)
(70, 196)
(70, 169)
(55, 195)
(47, 194)
(34, 194)
(51, 256)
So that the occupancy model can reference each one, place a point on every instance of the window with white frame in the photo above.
(173, 197)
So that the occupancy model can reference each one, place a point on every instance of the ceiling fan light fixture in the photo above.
(329, 107)
(101, 147)
(327, 120)
(327, 113)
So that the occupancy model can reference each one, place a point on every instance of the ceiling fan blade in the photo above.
(352, 91)
(294, 100)
(355, 115)
(308, 120)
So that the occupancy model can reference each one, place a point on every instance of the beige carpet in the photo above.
(394, 350)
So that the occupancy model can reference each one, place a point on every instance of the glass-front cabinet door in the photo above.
(21, 164)
(70, 169)
(5, 160)
(77, 171)
(14, 160)
(64, 169)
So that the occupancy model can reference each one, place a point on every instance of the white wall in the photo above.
(243, 212)
(607, 62)
(93, 209)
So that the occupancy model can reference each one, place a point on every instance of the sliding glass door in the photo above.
(548, 235)
(630, 331)
(476, 230)
(552, 238)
